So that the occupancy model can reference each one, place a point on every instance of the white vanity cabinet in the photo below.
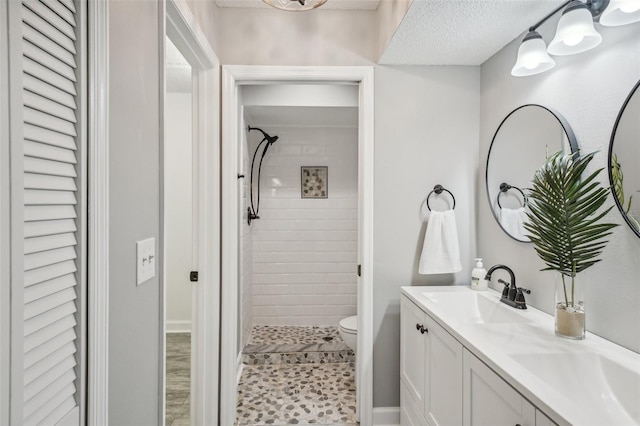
(444, 384)
(491, 401)
(431, 370)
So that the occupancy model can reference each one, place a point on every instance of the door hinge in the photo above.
(193, 276)
(359, 270)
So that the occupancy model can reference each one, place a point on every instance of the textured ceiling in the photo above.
(331, 4)
(288, 116)
(461, 32)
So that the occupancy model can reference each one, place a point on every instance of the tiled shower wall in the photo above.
(246, 252)
(305, 250)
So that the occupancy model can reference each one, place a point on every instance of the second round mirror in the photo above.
(521, 144)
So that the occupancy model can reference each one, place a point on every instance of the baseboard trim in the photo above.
(386, 416)
(178, 326)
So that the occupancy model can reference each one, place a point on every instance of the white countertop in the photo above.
(582, 382)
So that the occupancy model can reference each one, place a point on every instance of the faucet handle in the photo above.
(520, 302)
(505, 291)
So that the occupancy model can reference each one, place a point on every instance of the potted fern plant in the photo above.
(565, 213)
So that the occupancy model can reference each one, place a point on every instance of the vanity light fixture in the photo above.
(295, 5)
(575, 32)
(532, 56)
(621, 12)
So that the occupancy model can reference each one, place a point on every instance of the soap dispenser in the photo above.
(478, 274)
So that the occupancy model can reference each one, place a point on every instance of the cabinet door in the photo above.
(443, 395)
(410, 413)
(412, 350)
(490, 400)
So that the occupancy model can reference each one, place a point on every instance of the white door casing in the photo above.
(232, 77)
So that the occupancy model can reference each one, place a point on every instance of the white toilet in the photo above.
(348, 328)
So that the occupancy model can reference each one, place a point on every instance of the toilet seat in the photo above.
(349, 325)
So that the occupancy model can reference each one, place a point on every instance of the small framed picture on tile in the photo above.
(313, 181)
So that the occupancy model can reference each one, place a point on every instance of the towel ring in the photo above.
(504, 187)
(438, 190)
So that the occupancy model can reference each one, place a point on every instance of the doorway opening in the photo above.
(179, 250)
(303, 266)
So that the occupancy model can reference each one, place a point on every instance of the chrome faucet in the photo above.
(511, 295)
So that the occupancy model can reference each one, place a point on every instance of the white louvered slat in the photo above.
(38, 408)
(49, 227)
(39, 71)
(64, 9)
(65, 414)
(46, 167)
(44, 304)
(47, 288)
(48, 46)
(49, 152)
(49, 257)
(37, 213)
(35, 339)
(53, 108)
(38, 134)
(47, 378)
(39, 118)
(44, 197)
(49, 242)
(46, 273)
(44, 349)
(52, 18)
(54, 183)
(41, 321)
(52, 32)
(42, 88)
(32, 51)
(40, 368)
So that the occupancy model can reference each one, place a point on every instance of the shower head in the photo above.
(270, 139)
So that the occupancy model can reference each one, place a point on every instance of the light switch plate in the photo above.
(146, 260)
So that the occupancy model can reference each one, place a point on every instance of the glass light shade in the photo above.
(532, 56)
(621, 12)
(295, 5)
(575, 32)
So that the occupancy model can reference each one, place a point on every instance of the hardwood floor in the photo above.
(178, 387)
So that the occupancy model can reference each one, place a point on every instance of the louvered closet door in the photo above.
(52, 96)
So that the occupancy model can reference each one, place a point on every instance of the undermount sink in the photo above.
(475, 307)
(612, 387)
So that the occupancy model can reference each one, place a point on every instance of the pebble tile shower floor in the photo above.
(305, 386)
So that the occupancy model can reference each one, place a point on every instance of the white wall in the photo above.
(305, 250)
(426, 132)
(588, 90)
(178, 215)
(319, 37)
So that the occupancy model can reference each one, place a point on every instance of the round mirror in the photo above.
(522, 143)
(624, 160)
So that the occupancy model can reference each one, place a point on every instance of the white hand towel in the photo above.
(512, 221)
(440, 251)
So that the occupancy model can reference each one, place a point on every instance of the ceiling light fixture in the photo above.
(575, 32)
(295, 5)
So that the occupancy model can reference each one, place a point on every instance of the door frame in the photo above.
(232, 77)
(181, 27)
(98, 214)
